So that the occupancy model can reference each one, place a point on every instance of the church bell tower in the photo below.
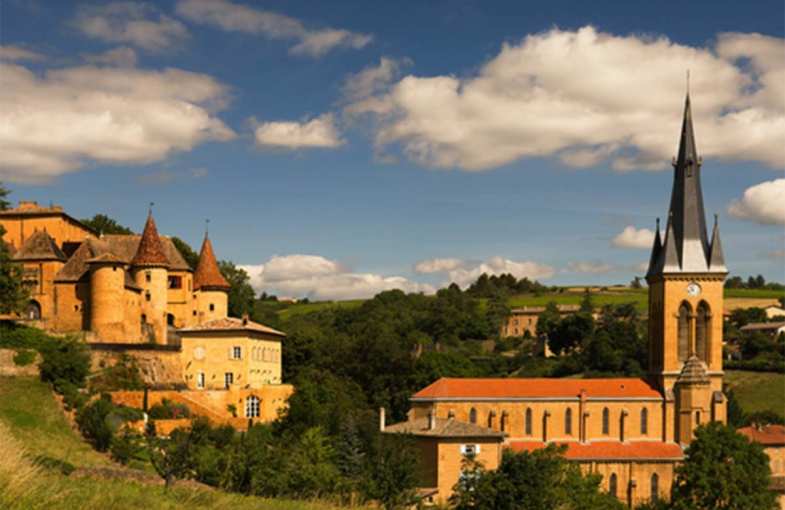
(686, 277)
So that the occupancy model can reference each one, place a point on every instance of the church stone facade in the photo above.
(632, 431)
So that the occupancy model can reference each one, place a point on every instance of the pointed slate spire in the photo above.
(716, 257)
(669, 257)
(150, 252)
(208, 276)
(655, 251)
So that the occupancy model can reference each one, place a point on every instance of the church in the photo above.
(632, 431)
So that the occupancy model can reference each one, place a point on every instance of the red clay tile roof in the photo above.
(770, 435)
(231, 324)
(151, 250)
(610, 450)
(533, 388)
(207, 275)
(443, 428)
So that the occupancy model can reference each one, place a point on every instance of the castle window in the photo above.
(147, 296)
(148, 276)
(697, 417)
(606, 421)
(528, 423)
(473, 415)
(252, 407)
(505, 420)
(200, 380)
(613, 484)
(703, 332)
(644, 421)
(684, 331)
(212, 307)
(655, 487)
(228, 379)
(175, 282)
(237, 352)
(568, 421)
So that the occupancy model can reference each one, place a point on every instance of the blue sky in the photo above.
(341, 148)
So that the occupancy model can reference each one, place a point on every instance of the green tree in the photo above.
(93, 421)
(188, 253)
(393, 472)
(5, 204)
(723, 470)
(171, 457)
(103, 224)
(548, 320)
(241, 294)
(13, 293)
(311, 469)
(64, 362)
(587, 303)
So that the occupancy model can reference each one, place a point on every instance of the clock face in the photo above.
(199, 353)
(693, 289)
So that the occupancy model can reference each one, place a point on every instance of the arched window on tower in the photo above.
(684, 331)
(606, 421)
(644, 421)
(568, 421)
(473, 415)
(703, 332)
(655, 487)
(613, 484)
(528, 422)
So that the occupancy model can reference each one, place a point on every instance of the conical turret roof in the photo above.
(151, 250)
(208, 276)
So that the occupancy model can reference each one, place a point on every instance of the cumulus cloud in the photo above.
(135, 23)
(591, 267)
(319, 278)
(632, 237)
(438, 265)
(320, 132)
(763, 203)
(58, 121)
(561, 94)
(122, 57)
(15, 53)
(234, 17)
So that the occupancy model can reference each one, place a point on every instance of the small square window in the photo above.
(148, 276)
(147, 296)
(212, 307)
(194, 313)
(237, 352)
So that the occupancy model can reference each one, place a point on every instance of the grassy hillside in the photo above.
(758, 391)
(34, 434)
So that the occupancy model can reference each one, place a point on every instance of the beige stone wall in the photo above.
(634, 479)
(107, 306)
(157, 367)
(43, 292)
(211, 305)
(181, 302)
(776, 459)
(450, 458)
(154, 308)
(62, 230)
(259, 362)
(71, 309)
(553, 427)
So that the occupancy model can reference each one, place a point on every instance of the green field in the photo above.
(34, 434)
(758, 391)
(304, 308)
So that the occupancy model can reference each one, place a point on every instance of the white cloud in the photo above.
(763, 203)
(320, 278)
(134, 23)
(591, 267)
(632, 237)
(467, 274)
(121, 57)
(319, 132)
(587, 97)
(371, 80)
(438, 265)
(15, 53)
(61, 120)
(240, 18)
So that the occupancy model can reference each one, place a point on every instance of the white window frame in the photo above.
(228, 379)
(237, 352)
(253, 407)
(200, 380)
(470, 449)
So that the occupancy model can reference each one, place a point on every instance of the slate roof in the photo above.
(535, 388)
(610, 450)
(207, 275)
(443, 428)
(39, 246)
(762, 326)
(150, 251)
(123, 247)
(686, 247)
(769, 435)
(232, 324)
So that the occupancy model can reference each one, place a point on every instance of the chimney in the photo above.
(245, 319)
(381, 419)
(431, 421)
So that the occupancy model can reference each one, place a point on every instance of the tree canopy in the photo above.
(103, 224)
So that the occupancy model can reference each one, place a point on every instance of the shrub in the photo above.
(22, 337)
(127, 447)
(93, 423)
(123, 375)
(64, 361)
(168, 410)
(24, 357)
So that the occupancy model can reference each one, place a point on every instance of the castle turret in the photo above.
(107, 287)
(210, 286)
(150, 268)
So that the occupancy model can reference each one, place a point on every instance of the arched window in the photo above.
(170, 320)
(491, 419)
(644, 421)
(473, 415)
(613, 484)
(697, 417)
(684, 331)
(606, 421)
(702, 331)
(528, 423)
(568, 421)
(252, 407)
(505, 421)
(655, 487)
(33, 310)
